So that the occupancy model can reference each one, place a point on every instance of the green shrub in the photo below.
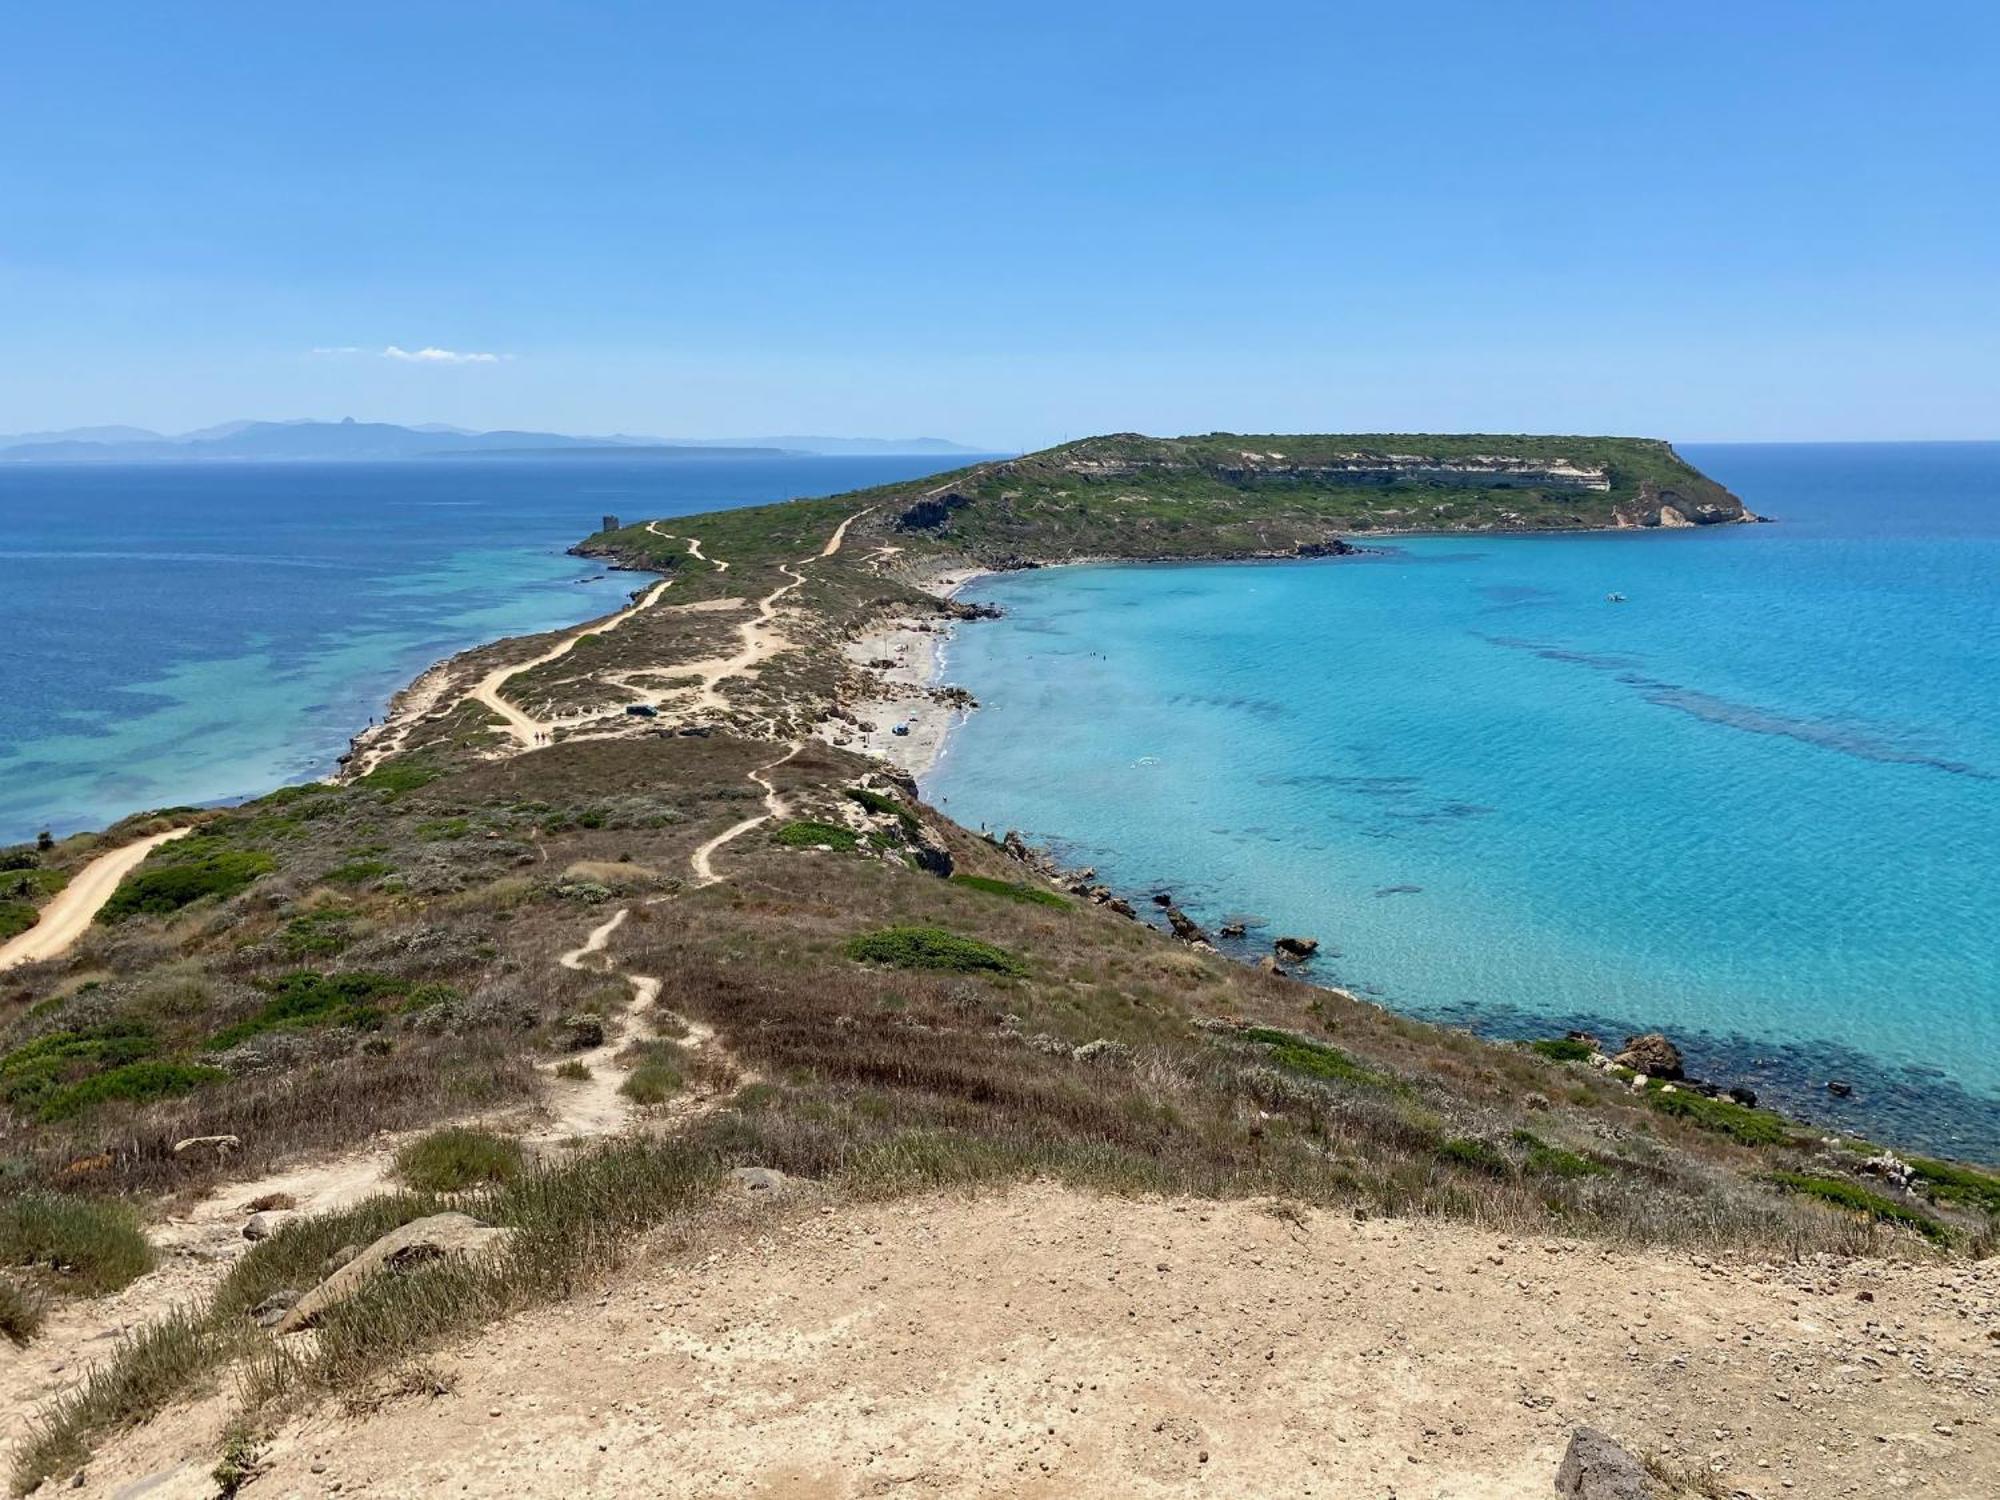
(182, 873)
(1474, 1154)
(309, 998)
(1316, 1059)
(20, 1312)
(32, 1074)
(447, 1161)
(16, 917)
(134, 1083)
(810, 835)
(1947, 1182)
(1848, 1195)
(889, 807)
(1014, 890)
(1554, 1161)
(358, 872)
(573, 1070)
(1562, 1049)
(315, 934)
(440, 830)
(92, 1246)
(933, 948)
(1753, 1127)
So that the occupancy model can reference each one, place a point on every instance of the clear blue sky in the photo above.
(1007, 223)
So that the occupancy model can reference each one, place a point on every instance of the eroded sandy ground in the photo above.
(1043, 1343)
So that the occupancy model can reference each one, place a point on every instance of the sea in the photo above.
(1753, 802)
(199, 633)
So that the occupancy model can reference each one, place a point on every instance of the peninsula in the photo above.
(621, 1050)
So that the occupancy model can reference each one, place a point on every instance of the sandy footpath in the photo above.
(76, 905)
(1042, 1343)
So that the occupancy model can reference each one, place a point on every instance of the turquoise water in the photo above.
(1756, 806)
(193, 634)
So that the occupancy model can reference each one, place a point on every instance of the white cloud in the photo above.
(430, 355)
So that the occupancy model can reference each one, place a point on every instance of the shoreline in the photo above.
(905, 656)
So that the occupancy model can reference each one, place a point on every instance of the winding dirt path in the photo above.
(77, 904)
(703, 858)
(524, 727)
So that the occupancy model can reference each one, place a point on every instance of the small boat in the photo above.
(1614, 598)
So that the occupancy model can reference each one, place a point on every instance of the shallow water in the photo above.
(191, 634)
(1757, 805)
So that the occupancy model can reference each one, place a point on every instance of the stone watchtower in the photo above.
(610, 524)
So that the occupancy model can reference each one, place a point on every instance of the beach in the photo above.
(903, 656)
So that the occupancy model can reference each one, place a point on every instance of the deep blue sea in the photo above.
(1756, 806)
(197, 633)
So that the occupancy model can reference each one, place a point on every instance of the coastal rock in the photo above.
(1296, 947)
(1184, 927)
(1122, 907)
(1268, 965)
(1651, 1054)
(1839, 1088)
(1163, 898)
(1596, 1468)
(263, 1225)
(1230, 930)
(217, 1146)
(400, 1251)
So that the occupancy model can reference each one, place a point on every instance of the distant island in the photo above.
(364, 441)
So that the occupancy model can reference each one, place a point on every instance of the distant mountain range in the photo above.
(349, 439)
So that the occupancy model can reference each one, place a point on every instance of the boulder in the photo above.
(1596, 1468)
(271, 1311)
(1163, 898)
(1269, 965)
(1296, 947)
(338, 1259)
(1839, 1088)
(217, 1145)
(1230, 930)
(261, 1226)
(759, 1179)
(1651, 1054)
(414, 1245)
(1185, 927)
(1121, 906)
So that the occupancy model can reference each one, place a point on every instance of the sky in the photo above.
(1006, 224)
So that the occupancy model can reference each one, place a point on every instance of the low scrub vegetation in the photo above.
(806, 834)
(933, 948)
(1857, 1199)
(1013, 890)
(451, 1160)
(1740, 1122)
(657, 1077)
(182, 873)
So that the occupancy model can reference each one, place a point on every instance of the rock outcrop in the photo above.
(416, 1244)
(1651, 1054)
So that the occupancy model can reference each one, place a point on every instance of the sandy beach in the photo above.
(903, 655)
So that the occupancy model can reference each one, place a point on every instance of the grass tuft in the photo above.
(92, 1246)
(451, 1160)
(20, 1312)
